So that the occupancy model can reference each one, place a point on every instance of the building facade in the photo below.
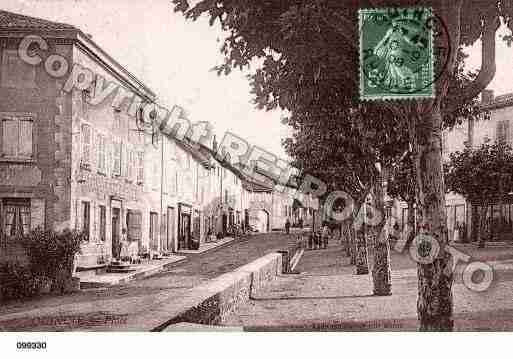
(77, 157)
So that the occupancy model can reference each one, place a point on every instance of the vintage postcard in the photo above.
(253, 166)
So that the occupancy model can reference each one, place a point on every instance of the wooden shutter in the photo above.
(86, 144)
(134, 225)
(10, 137)
(116, 163)
(25, 138)
(140, 167)
(101, 153)
(124, 160)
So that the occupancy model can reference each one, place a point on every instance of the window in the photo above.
(86, 218)
(102, 154)
(17, 136)
(503, 131)
(116, 164)
(103, 221)
(16, 217)
(134, 225)
(15, 72)
(140, 167)
(86, 146)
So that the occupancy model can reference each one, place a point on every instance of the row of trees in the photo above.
(310, 66)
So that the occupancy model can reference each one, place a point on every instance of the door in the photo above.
(115, 230)
(170, 235)
(185, 231)
(225, 223)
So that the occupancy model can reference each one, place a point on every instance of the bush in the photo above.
(52, 254)
(16, 282)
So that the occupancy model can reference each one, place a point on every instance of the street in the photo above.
(103, 309)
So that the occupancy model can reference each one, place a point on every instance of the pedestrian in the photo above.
(123, 250)
(316, 240)
(456, 235)
(287, 226)
(463, 232)
(311, 240)
(325, 235)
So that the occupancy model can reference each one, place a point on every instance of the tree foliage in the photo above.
(481, 175)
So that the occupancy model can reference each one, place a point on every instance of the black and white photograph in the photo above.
(255, 176)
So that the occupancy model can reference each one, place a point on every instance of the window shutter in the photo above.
(25, 139)
(140, 167)
(108, 156)
(134, 225)
(93, 157)
(124, 160)
(101, 153)
(10, 137)
(116, 170)
(86, 144)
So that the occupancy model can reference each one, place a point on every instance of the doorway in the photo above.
(115, 231)
(170, 237)
(185, 231)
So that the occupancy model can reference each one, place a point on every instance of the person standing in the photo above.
(123, 246)
(325, 235)
(287, 226)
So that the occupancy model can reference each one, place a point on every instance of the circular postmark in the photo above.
(398, 52)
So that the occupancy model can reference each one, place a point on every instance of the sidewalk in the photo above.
(328, 296)
(204, 247)
(89, 279)
(111, 308)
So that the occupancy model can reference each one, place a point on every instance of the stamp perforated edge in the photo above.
(388, 96)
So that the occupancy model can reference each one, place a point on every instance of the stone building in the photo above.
(74, 155)
(73, 158)
(61, 162)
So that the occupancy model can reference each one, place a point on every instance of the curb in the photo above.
(208, 304)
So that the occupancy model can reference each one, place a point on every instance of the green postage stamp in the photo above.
(396, 53)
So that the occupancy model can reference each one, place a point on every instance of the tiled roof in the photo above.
(9, 20)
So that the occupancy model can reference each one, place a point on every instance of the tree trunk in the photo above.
(362, 266)
(480, 226)
(347, 235)
(410, 222)
(434, 304)
(352, 244)
(381, 274)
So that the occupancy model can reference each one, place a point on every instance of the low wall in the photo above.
(211, 302)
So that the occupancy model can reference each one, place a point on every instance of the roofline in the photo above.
(92, 48)
(127, 73)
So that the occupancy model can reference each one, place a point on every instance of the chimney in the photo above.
(486, 97)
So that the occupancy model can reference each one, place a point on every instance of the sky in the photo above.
(174, 57)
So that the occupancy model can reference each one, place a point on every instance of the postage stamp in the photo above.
(396, 53)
